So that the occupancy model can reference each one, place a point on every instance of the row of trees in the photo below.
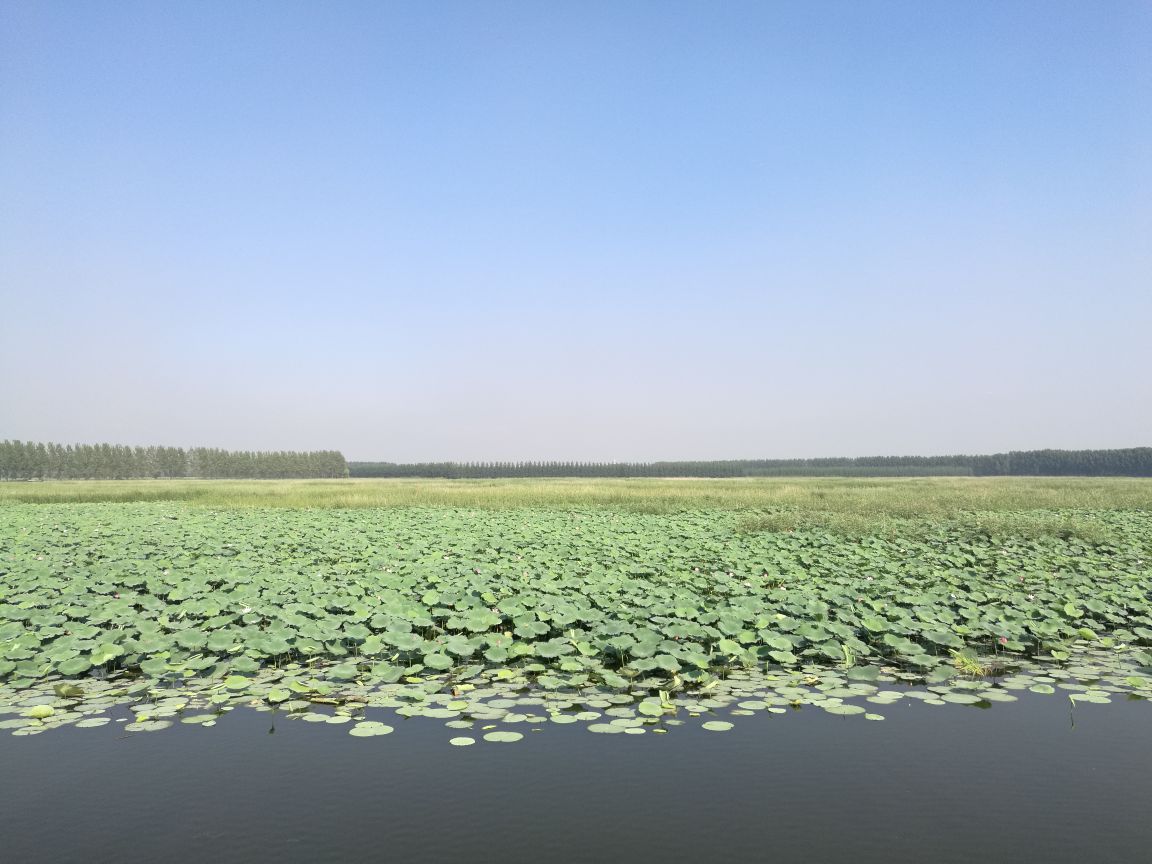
(1128, 462)
(1131, 462)
(480, 470)
(27, 460)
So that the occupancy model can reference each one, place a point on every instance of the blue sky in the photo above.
(577, 230)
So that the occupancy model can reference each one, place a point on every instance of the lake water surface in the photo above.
(1031, 781)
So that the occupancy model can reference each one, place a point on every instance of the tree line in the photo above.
(28, 460)
(1129, 462)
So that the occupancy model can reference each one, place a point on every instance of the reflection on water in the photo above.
(1017, 783)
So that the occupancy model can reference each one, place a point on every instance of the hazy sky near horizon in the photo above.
(633, 231)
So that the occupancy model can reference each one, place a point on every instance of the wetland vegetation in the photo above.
(624, 605)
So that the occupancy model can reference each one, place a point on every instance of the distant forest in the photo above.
(1130, 462)
(26, 460)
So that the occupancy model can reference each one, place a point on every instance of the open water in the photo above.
(1031, 781)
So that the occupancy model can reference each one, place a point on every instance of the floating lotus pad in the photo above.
(503, 737)
(93, 722)
(370, 728)
(147, 725)
(605, 728)
(844, 709)
(1106, 674)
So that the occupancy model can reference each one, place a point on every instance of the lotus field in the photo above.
(487, 619)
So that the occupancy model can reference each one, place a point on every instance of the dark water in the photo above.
(1016, 783)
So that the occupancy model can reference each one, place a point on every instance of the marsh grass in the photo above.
(1022, 524)
(1008, 506)
(967, 663)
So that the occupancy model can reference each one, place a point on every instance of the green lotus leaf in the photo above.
(370, 728)
(192, 640)
(105, 653)
(843, 709)
(75, 666)
(155, 666)
(245, 665)
(403, 641)
(343, 672)
(439, 662)
(503, 737)
(147, 725)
